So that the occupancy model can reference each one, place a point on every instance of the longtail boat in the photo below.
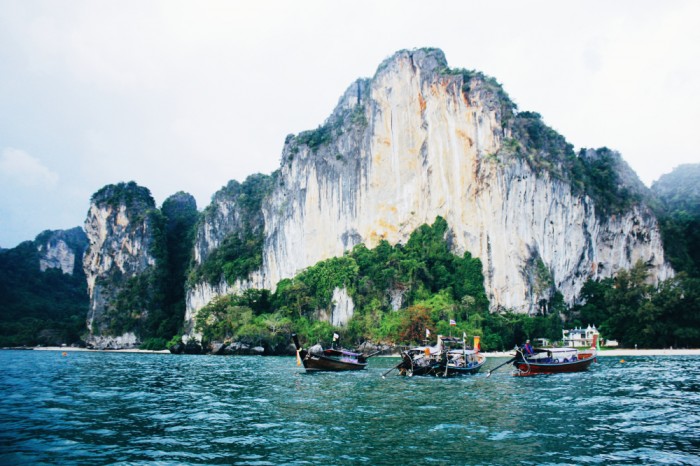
(330, 359)
(442, 360)
(553, 360)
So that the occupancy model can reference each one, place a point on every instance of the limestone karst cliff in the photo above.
(136, 265)
(61, 249)
(125, 236)
(228, 243)
(420, 140)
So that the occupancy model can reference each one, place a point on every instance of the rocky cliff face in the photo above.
(233, 220)
(419, 140)
(61, 249)
(121, 236)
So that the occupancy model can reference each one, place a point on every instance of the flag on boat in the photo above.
(477, 343)
(427, 332)
(335, 336)
(452, 322)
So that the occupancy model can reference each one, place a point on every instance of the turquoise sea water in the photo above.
(121, 408)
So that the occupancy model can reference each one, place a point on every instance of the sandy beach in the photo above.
(68, 348)
(617, 352)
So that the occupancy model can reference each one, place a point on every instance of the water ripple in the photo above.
(116, 408)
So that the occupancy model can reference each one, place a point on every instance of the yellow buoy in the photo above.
(621, 361)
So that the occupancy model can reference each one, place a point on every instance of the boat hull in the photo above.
(316, 363)
(437, 369)
(458, 371)
(329, 360)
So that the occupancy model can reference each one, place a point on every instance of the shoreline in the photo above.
(488, 354)
(616, 352)
(70, 348)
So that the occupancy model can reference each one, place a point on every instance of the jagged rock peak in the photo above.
(180, 210)
(426, 59)
(626, 178)
(180, 199)
(431, 66)
(61, 249)
(234, 210)
(130, 195)
(680, 189)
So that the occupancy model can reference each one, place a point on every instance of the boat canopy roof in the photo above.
(461, 351)
(453, 340)
(560, 350)
(421, 349)
(344, 352)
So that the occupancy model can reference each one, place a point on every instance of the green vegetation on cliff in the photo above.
(678, 194)
(150, 303)
(397, 291)
(181, 216)
(423, 276)
(130, 195)
(601, 173)
(139, 305)
(240, 253)
(156, 298)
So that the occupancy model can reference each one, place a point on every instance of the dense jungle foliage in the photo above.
(678, 211)
(181, 217)
(431, 284)
(633, 312)
(36, 307)
(153, 303)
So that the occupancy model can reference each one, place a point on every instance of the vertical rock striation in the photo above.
(123, 237)
(228, 244)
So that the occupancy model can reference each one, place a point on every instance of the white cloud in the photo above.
(24, 170)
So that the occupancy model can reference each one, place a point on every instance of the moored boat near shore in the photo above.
(331, 359)
(444, 359)
(553, 360)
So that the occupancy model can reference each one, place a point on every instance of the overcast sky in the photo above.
(185, 96)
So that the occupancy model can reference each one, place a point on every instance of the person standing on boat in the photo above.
(527, 347)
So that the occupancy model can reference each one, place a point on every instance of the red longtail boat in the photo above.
(554, 360)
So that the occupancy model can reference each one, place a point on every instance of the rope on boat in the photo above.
(526, 362)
